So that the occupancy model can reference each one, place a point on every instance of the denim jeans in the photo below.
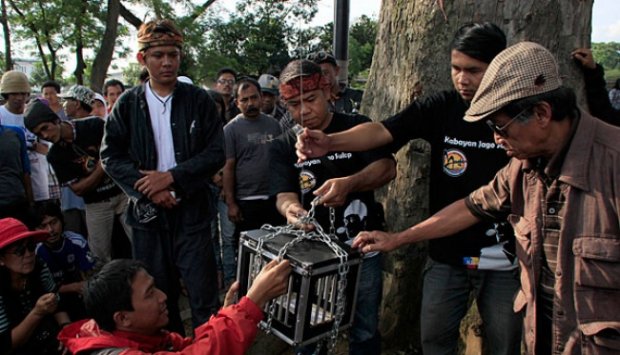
(444, 304)
(364, 337)
(227, 245)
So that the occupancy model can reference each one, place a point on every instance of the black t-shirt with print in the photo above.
(360, 211)
(464, 157)
(76, 160)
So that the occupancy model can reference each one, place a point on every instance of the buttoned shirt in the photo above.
(586, 301)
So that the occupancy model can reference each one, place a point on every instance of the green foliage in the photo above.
(607, 54)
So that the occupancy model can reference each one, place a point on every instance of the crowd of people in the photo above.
(112, 205)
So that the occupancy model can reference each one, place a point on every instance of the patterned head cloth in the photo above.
(523, 70)
(80, 93)
(159, 33)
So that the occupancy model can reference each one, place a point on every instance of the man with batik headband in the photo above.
(163, 142)
(344, 180)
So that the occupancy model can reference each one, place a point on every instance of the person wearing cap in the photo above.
(480, 260)
(15, 89)
(344, 181)
(344, 99)
(112, 90)
(75, 158)
(224, 84)
(163, 142)
(559, 191)
(78, 101)
(270, 104)
(99, 107)
(29, 313)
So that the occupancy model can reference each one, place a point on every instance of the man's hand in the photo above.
(311, 144)
(234, 213)
(217, 179)
(271, 282)
(375, 241)
(153, 182)
(584, 56)
(294, 212)
(334, 192)
(46, 304)
(164, 199)
(230, 295)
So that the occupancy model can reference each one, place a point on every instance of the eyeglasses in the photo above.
(501, 131)
(20, 250)
(226, 81)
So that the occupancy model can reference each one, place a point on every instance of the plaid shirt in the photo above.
(586, 301)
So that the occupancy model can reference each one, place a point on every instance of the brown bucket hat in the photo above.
(522, 70)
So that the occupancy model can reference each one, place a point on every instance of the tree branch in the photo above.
(130, 17)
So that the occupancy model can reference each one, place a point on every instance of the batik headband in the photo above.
(305, 83)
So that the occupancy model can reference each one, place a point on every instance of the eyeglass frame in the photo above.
(501, 131)
(20, 250)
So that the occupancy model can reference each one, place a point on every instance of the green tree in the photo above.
(607, 54)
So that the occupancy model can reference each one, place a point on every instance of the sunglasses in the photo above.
(320, 56)
(20, 250)
(501, 130)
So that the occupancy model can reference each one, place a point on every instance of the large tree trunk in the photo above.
(412, 51)
(106, 51)
(8, 59)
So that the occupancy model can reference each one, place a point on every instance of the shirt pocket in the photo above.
(523, 236)
(600, 338)
(597, 278)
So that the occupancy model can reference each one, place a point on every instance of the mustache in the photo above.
(253, 109)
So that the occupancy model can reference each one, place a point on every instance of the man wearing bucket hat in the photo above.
(559, 191)
(29, 314)
(163, 142)
(15, 89)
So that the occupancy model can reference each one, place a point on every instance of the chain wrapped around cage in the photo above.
(322, 287)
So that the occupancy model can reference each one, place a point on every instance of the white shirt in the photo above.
(159, 110)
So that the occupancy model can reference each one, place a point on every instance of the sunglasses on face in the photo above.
(20, 250)
(501, 130)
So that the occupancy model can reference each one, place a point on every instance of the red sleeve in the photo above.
(231, 331)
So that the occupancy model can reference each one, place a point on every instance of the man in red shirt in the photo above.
(129, 313)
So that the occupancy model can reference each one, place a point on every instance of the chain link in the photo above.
(299, 236)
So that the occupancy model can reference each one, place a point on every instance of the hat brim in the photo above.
(271, 91)
(37, 235)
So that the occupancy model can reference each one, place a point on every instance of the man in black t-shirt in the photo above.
(75, 159)
(464, 156)
(343, 180)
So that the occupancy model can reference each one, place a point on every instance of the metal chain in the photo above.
(301, 235)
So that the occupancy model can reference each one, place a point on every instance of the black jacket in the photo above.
(129, 146)
(598, 97)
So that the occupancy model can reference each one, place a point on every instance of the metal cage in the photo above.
(306, 312)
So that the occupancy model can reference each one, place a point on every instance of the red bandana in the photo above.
(306, 83)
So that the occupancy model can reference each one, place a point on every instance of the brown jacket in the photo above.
(586, 315)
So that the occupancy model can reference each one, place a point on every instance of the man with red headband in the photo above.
(343, 180)
(163, 142)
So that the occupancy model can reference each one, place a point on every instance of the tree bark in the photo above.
(412, 52)
(106, 51)
(80, 65)
(8, 59)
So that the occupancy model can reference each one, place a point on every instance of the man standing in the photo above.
(163, 142)
(15, 188)
(559, 191)
(480, 259)
(270, 104)
(78, 101)
(15, 89)
(224, 84)
(343, 180)
(75, 158)
(246, 172)
(344, 99)
(112, 90)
